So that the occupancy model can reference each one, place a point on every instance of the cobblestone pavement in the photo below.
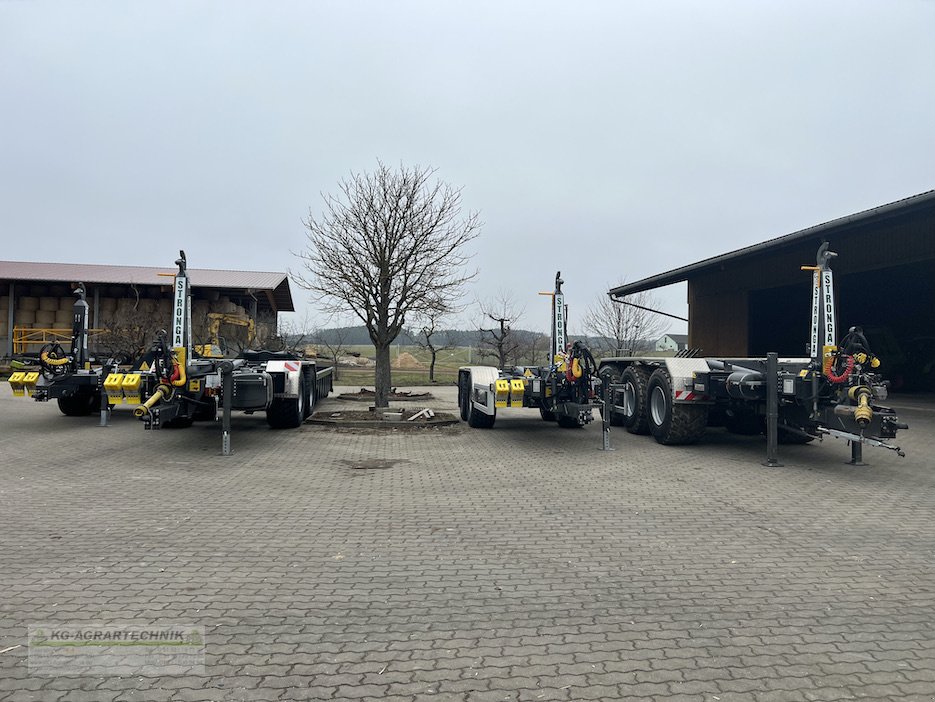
(520, 563)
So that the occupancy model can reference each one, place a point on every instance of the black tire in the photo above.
(635, 380)
(479, 420)
(464, 395)
(310, 400)
(80, 405)
(671, 423)
(288, 413)
(547, 415)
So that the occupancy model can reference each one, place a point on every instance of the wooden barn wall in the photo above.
(719, 300)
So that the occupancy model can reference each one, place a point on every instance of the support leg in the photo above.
(772, 410)
(857, 454)
(227, 393)
(605, 415)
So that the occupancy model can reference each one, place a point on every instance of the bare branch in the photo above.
(613, 326)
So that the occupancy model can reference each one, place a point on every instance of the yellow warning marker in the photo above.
(517, 390)
(16, 384)
(131, 388)
(29, 382)
(113, 387)
(502, 389)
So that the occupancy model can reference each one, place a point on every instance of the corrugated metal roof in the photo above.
(276, 283)
(678, 275)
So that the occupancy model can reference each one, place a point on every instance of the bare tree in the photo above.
(391, 244)
(614, 325)
(499, 339)
(534, 349)
(128, 332)
(334, 341)
(430, 337)
(293, 335)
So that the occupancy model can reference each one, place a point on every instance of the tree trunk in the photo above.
(382, 378)
(334, 367)
(432, 368)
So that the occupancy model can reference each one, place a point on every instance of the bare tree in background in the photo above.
(613, 325)
(534, 349)
(498, 339)
(334, 341)
(128, 333)
(391, 244)
(430, 337)
(293, 336)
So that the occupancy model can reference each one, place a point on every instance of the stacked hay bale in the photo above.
(25, 314)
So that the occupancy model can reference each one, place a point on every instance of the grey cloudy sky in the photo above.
(611, 140)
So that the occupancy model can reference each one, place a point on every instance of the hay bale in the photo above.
(24, 317)
(28, 304)
(48, 304)
(45, 318)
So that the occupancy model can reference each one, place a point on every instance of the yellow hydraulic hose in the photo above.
(179, 353)
(162, 391)
(45, 358)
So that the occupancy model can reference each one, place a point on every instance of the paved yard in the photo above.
(520, 563)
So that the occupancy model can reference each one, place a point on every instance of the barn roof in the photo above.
(817, 232)
(250, 281)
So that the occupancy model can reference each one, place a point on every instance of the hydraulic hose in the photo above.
(50, 361)
(179, 377)
(53, 359)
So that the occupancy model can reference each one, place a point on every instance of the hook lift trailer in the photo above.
(171, 388)
(835, 392)
(565, 391)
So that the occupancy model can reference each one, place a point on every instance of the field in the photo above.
(410, 365)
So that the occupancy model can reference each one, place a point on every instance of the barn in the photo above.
(36, 300)
(757, 299)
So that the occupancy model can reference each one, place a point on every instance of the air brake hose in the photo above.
(845, 374)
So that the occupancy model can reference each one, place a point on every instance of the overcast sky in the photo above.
(610, 140)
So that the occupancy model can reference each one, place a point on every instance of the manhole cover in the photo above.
(374, 463)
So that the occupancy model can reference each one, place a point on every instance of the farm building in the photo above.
(756, 299)
(36, 302)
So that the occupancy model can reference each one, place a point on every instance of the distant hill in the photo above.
(358, 336)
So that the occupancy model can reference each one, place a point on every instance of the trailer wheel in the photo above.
(288, 412)
(464, 395)
(479, 420)
(547, 415)
(635, 393)
(79, 405)
(672, 423)
(310, 400)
